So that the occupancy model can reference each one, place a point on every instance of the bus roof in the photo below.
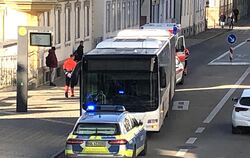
(130, 43)
(123, 51)
(143, 33)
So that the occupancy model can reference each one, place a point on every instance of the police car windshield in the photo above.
(97, 129)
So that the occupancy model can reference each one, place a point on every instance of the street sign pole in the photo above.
(22, 65)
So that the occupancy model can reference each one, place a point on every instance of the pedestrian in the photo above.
(68, 67)
(222, 20)
(79, 52)
(187, 53)
(52, 63)
(236, 13)
(231, 20)
(231, 54)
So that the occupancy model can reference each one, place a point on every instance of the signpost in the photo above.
(231, 39)
(42, 38)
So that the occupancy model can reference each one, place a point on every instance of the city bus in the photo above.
(135, 69)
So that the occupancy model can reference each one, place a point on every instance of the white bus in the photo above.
(136, 69)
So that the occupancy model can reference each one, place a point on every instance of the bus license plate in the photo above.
(95, 143)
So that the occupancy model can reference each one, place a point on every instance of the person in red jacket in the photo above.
(53, 63)
(68, 67)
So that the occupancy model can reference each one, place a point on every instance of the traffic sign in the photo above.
(231, 39)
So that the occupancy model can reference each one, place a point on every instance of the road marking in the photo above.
(230, 63)
(191, 140)
(218, 58)
(225, 98)
(180, 105)
(57, 121)
(181, 152)
(200, 130)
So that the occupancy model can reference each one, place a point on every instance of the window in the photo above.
(114, 16)
(245, 101)
(97, 129)
(124, 15)
(133, 13)
(46, 18)
(136, 12)
(86, 18)
(119, 15)
(129, 15)
(58, 25)
(78, 21)
(67, 22)
(108, 16)
(127, 124)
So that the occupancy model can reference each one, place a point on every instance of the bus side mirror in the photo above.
(235, 100)
(140, 123)
(162, 77)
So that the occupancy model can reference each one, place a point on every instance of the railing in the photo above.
(8, 71)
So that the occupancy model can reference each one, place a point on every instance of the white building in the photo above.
(191, 15)
(157, 11)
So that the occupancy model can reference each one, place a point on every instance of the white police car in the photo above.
(241, 112)
(106, 131)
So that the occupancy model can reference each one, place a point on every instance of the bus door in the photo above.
(180, 46)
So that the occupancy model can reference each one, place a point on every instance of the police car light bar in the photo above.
(105, 108)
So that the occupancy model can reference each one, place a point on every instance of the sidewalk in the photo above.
(42, 131)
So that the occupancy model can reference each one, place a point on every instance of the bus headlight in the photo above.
(153, 121)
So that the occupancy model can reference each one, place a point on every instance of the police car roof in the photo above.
(246, 93)
(101, 117)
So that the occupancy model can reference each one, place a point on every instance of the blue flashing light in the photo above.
(121, 92)
(91, 106)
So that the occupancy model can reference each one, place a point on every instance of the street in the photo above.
(198, 132)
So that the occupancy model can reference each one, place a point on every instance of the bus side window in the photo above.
(162, 77)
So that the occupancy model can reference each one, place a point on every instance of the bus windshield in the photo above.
(135, 90)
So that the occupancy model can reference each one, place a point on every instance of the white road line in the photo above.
(181, 152)
(218, 58)
(191, 140)
(225, 98)
(200, 130)
(56, 121)
(230, 63)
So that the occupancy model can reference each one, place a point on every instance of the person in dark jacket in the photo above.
(79, 52)
(222, 20)
(53, 63)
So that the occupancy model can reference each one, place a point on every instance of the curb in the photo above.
(211, 37)
(57, 153)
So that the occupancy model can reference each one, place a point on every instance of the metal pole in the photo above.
(22, 70)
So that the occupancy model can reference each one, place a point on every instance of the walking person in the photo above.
(79, 52)
(52, 63)
(68, 67)
(236, 13)
(231, 21)
(222, 20)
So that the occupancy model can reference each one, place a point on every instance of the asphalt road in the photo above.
(195, 133)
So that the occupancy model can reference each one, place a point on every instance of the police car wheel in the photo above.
(134, 152)
(144, 151)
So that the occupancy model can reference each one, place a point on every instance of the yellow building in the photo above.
(215, 8)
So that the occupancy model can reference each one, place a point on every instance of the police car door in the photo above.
(180, 46)
(140, 135)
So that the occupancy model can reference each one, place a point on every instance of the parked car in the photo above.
(106, 131)
(179, 71)
(241, 112)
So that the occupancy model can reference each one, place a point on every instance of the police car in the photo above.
(106, 131)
